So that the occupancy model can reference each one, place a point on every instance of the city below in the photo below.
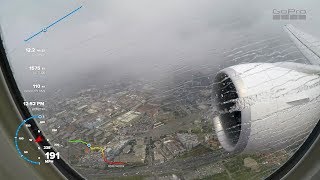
(129, 129)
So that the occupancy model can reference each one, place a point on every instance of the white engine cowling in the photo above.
(266, 106)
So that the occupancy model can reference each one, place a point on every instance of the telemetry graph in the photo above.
(45, 29)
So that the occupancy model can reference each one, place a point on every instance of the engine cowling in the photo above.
(266, 106)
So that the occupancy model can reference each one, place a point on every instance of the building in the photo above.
(140, 152)
(83, 132)
(89, 135)
(129, 116)
(189, 141)
(174, 147)
(150, 109)
(94, 123)
(157, 124)
(158, 157)
(127, 149)
(98, 136)
(137, 156)
(115, 147)
(102, 141)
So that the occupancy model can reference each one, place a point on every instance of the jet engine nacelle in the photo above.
(266, 106)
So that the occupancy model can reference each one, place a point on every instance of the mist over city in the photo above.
(130, 85)
(145, 39)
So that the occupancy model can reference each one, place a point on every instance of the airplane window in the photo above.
(175, 89)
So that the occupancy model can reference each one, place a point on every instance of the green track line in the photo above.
(78, 141)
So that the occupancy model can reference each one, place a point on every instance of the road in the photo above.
(177, 166)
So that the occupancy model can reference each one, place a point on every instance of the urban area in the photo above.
(136, 131)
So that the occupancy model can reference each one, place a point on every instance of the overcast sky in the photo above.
(138, 37)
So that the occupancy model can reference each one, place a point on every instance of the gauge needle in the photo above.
(38, 139)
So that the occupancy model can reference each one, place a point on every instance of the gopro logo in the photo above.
(289, 14)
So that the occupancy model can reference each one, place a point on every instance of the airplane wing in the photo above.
(307, 44)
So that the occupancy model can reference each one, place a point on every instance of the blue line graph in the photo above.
(54, 23)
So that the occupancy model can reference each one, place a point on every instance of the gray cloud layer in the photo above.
(142, 37)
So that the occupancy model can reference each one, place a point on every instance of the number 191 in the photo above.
(52, 155)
